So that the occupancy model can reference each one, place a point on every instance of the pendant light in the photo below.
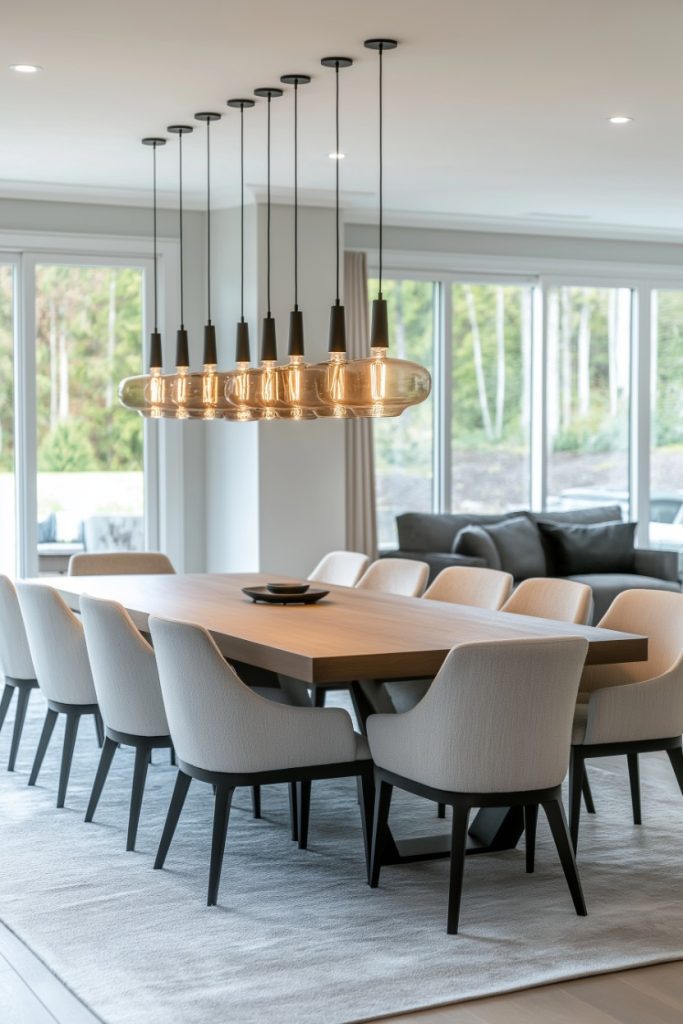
(210, 393)
(148, 393)
(332, 381)
(379, 386)
(179, 382)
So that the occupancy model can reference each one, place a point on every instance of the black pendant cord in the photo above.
(182, 346)
(337, 162)
(268, 314)
(381, 177)
(337, 336)
(296, 196)
(154, 229)
(242, 214)
(180, 207)
(208, 221)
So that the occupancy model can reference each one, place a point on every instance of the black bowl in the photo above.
(288, 588)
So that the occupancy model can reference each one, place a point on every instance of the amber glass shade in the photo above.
(149, 394)
(374, 387)
(274, 392)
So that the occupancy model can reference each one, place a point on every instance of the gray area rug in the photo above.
(298, 936)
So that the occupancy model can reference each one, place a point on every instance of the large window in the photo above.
(666, 461)
(491, 347)
(404, 446)
(588, 375)
(7, 477)
(89, 448)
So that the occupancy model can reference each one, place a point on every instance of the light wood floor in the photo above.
(30, 994)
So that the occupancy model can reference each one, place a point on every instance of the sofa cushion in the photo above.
(607, 585)
(599, 547)
(430, 531)
(519, 547)
(475, 542)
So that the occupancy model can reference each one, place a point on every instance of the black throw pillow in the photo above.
(519, 547)
(603, 547)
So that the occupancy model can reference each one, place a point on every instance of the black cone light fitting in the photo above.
(210, 354)
(182, 346)
(242, 347)
(268, 336)
(156, 360)
(296, 320)
(379, 329)
(337, 341)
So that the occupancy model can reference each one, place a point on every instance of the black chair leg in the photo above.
(70, 733)
(294, 811)
(99, 729)
(530, 821)
(182, 784)
(461, 817)
(676, 758)
(139, 777)
(319, 693)
(172, 755)
(379, 826)
(5, 702)
(634, 779)
(108, 751)
(221, 815)
(256, 801)
(304, 801)
(577, 770)
(48, 729)
(23, 696)
(587, 793)
(441, 810)
(558, 826)
(367, 788)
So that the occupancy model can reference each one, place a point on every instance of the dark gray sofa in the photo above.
(431, 538)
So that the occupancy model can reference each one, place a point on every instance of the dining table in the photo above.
(352, 638)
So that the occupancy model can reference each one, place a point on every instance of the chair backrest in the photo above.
(498, 717)
(656, 614)
(550, 598)
(124, 670)
(15, 655)
(119, 563)
(468, 584)
(342, 568)
(57, 644)
(403, 576)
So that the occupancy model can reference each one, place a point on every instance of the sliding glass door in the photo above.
(8, 531)
(666, 446)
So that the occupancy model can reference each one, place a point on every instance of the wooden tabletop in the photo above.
(352, 634)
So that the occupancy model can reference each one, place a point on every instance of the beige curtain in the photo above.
(361, 519)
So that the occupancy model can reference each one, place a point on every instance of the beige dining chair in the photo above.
(635, 707)
(405, 577)
(119, 563)
(471, 585)
(551, 598)
(228, 736)
(340, 568)
(16, 664)
(470, 743)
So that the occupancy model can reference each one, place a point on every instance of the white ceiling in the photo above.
(496, 110)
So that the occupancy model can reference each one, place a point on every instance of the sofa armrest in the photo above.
(436, 560)
(663, 565)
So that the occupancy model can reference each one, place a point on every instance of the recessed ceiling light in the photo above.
(620, 119)
(25, 69)
(336, 156)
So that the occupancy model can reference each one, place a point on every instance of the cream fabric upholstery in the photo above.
(119, 563)
(15, 655)
(465, 584)
(403, 576)
(219, 724)
(497, 718)
(57, 645)
(124, 670)
(549, 598)
(341, 568)
(638, 700)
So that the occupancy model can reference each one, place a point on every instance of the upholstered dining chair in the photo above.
(119, 563)
(405, 577)
(16, 664)
(493, 730)
(635, 707)
(227, 735)
(550, 598)
(126, 680)
(341, 568)
(471, 585)
(57, 644)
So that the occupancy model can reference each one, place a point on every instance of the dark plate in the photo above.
(288, 588)
(263, 594)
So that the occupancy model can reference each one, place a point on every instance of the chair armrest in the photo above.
(662, 565)
(648, 710)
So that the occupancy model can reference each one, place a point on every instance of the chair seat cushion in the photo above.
(606, 586)
(580, 720)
